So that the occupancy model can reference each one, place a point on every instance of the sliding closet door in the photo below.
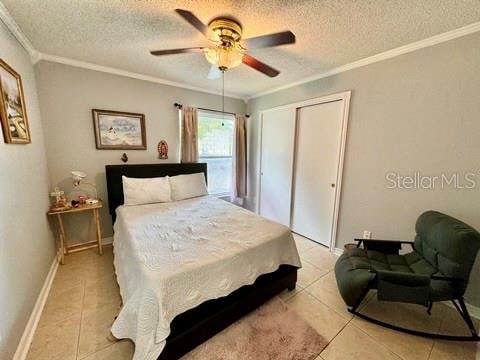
(276, 164)
(319, 133)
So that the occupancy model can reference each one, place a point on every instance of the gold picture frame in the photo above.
(118, 130)
(13, 113)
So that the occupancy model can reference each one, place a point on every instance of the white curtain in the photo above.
(240, 160)
(189, 135)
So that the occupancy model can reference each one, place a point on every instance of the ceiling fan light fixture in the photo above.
(228, 49)
(224, 57)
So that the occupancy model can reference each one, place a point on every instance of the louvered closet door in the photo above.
(317, 156)
(276, 164)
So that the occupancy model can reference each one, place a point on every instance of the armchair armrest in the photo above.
(446, 278)
(403, 287)
(385, 246)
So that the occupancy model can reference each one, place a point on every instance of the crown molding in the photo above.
(36, 56)
(431, 41)
(134, 75)
(12, 25)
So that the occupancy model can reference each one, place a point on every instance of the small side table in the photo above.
(66, 249)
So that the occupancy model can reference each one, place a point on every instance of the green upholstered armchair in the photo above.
(438, 269)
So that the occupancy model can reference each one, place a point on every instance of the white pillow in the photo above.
(146, 191)
(188, 186)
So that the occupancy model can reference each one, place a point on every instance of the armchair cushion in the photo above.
(351, 265)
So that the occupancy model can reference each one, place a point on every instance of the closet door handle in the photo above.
(333, 185)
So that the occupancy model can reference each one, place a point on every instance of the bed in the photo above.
(190, 268)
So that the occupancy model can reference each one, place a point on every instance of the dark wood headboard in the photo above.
(115, 172)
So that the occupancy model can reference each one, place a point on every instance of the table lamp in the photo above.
(78, 177)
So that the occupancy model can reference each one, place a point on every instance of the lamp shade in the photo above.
(78, 176)
(224, 57)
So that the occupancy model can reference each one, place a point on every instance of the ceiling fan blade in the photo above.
(176, 51)
(214, 73)
(259, 66)
(193, 20)
(263, 41)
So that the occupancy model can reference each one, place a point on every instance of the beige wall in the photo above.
(26, 243)
(416, 112)
(68, 94)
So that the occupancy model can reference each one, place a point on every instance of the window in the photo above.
(215, 147)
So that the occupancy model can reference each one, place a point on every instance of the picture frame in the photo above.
(119, 130)
(13, 113)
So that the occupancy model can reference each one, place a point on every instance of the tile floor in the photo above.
(85, 298)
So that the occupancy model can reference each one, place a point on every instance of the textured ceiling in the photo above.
(330, 33)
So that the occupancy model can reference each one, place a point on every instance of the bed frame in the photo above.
(197, 325)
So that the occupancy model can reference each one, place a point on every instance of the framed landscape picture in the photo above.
(115, 130)
(13, 115)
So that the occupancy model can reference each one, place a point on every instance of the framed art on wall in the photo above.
(13, 115)
(115, 130)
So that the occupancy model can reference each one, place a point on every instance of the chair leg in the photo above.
(354, 308)
(429, 310)
(465, 315)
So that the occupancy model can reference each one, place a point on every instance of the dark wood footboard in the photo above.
(197, 325)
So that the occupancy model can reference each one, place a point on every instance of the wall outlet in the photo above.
(367, 234)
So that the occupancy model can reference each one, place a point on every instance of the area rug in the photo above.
(272, 331)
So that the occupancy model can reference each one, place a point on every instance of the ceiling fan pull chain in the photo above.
(223, 97)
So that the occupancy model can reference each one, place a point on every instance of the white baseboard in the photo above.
(474, 311)
(107, 240)
(338, 251)
(27, 337)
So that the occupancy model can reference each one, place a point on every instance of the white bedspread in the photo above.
(171, 257)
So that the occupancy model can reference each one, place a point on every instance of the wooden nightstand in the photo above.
(64, 248)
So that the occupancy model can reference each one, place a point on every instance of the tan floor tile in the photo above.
(303, 244)
(81, 267)
(95, 329)
(321, 257)
(353, 343)
(325, 321)
(57, 341)
(62, 305)
(67, 276)
(325, 289)
(81, 257)
(453, 324)
(121, 350)
(102, 266)
(89, 255)
(455, 350)
(103, 292)
(404, 315)
(308, 274)
(287, 294)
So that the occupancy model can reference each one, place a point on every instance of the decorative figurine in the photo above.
(61, 202)
(162, 150)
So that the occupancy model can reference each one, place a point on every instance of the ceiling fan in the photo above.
(227, 49)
